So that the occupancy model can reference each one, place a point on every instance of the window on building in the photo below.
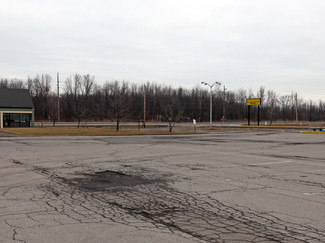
(16, 119)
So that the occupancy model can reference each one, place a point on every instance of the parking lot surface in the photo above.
(257, 186)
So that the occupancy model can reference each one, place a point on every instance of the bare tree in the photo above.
(173, 110)
(12, 83)
(284, 102)
(86, 85)
(117, 99)
(78, 90)
(296, 103)
(199, 97)
(240, 108)
(261, 93)
(4, 83)
(53, 108)
(82, 98)
(271, 104)
(40, 88)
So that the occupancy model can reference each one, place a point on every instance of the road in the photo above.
(102, 123)
(184, 124)
(222, 187)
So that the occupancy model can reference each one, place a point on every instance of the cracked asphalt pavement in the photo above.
(221, 187)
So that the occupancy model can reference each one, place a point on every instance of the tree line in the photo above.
(82, 98)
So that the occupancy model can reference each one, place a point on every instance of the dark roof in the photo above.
(15, 98)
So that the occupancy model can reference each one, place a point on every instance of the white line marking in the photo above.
(278, 162)
(284, 162)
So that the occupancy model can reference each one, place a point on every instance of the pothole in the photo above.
(105, 180)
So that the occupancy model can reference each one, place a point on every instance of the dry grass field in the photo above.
(87, 131)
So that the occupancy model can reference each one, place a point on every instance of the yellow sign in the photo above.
(255, 101)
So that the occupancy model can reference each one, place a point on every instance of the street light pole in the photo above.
(210, 105)
(211, 85)
(224, 104)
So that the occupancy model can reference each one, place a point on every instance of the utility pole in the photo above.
(144, 105)
(296, 99)
(58, 83)
(211, 97)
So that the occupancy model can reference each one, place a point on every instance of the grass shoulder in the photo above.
(86, 131)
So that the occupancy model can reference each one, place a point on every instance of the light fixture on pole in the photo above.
(211, 85)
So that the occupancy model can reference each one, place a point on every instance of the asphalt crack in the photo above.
(148, 199)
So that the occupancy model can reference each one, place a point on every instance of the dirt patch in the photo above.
(106, 180)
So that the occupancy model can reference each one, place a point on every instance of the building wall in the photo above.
(20, 111)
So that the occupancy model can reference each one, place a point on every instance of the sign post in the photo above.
(194, 124)
(258, 115)
(249, 115)
(250, 102)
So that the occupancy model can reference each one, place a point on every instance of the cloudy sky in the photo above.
(240, 43)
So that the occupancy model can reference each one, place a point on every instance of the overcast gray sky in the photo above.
(240, 43)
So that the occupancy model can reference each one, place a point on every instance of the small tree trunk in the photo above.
(117, 124)
(171, 126)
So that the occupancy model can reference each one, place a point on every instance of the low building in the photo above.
(16, 108)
